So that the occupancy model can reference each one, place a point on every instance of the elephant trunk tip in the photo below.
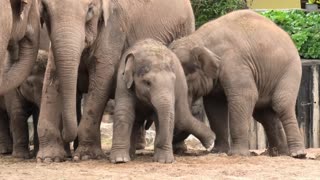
(69, 136)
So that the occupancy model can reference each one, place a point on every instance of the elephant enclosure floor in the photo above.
(193, 165)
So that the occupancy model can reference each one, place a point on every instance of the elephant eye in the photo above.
(147, 83)
(90, 12)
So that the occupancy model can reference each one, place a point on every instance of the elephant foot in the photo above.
(220, 148)
(22, 153)
(180, 148)
(5, 149)
(119, 156)
(140, 145)
(275, 151)
(51, 153)
(163, 156)
(86, 152)
(300, 154)
(239, 152)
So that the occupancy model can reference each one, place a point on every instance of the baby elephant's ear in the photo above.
(128, 70)
(23, 4)
(209, 61)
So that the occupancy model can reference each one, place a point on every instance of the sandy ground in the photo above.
(194, 165)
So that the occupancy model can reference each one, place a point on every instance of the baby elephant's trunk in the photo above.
(164, 107)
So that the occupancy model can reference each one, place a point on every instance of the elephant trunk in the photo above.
(12, 74)
(164, 104)
(67, 47)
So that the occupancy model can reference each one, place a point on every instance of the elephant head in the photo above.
(72, 25)
(201, 67)
(149, 72)
(31, 88)
(19, 40)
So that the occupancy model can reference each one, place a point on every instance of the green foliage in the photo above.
(313, 1)
(206, 10)
(303, 28)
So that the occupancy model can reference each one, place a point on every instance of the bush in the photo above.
(206, 10)
(303, 28)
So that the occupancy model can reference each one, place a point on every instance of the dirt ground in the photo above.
(194, 165)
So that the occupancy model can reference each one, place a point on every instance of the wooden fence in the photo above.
(307, 109)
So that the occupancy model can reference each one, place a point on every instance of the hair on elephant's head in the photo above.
(201, 67)
(149, 71)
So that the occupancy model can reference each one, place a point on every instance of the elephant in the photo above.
(16, 107)
(151, 81)
(88, 38)
(244, 65)
(19, 41)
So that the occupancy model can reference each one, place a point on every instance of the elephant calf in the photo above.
(151, 81)
(16, 106)
(252, 67)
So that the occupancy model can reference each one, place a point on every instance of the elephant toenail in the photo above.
(85, 157)
(57, 159)
(76, 158)
(39, 160)
(47, 160)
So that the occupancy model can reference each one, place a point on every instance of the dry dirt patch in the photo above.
(194, 165)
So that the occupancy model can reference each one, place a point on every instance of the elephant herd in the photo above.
(148, 57)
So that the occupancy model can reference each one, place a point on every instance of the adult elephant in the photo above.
(88, 38)
(19, 41)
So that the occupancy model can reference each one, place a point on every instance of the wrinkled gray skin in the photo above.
(90, 36)
(19, 41)
(243, 64)
(17, 105)
(151, 81)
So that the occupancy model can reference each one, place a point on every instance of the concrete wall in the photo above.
(273, 4)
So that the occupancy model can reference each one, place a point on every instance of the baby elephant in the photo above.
(151, 81)
(15, 108)
(250, 67)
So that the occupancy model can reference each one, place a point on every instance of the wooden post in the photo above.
(315, 118)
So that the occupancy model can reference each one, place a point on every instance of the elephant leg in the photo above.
(89, 128)
(141, 138)
(79, 115)
(35, 116)
(137, 136)
(19, 113)
(179, 146)
(283, 103)
(101, 77)
(277, 143)
(51, 146)
(185, 122)
(5, 137)
(216, 107)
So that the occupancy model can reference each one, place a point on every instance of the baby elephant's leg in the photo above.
(277, 143)
(189, 124)
(217, 111)
(5, 138)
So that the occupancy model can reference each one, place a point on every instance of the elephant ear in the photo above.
(128, 70)
(208, 60)
(22, 8)
(106, 10)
